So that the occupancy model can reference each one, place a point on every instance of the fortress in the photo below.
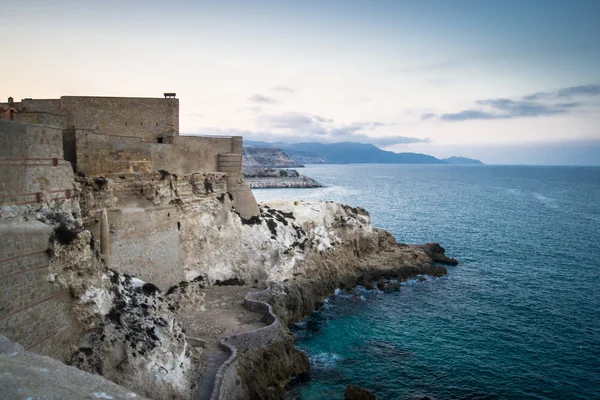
(151, 306)
(116, 135)
(75, 150)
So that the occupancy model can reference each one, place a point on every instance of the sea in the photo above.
(518, 318)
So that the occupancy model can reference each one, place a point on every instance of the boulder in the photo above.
(438, 253)
(354, 392)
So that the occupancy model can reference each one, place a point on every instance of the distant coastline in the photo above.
(285, 155)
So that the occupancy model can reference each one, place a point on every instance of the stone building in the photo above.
(130, 143)
(115, 135)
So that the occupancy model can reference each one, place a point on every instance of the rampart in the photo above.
(41, 118)
(146, 118)
(132, 144)
(33, 168)
(33, 311)
(95, 154)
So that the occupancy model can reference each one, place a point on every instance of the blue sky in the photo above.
(503, 81)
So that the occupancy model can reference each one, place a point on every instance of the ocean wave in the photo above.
(547, 201)
(419, 279)
(324, 360)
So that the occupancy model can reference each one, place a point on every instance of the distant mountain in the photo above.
(461, 160)
(351, 152)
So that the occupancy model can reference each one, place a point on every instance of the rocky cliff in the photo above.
(267, 158)
(131, 331)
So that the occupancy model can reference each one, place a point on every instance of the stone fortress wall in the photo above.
(120, 135)
(145, 118)
(33, 311)
(125, 141)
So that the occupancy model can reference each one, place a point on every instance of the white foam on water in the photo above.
(324, 360)
(547, 201)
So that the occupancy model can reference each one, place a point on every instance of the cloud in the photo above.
(259, 98)
(250, 109)
(584, 90)
(283, 89)
(290, 122)
(297, 127)
(535, 105)
(469, 114)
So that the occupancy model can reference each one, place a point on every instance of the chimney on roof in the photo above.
(11, 100)
(170, 95)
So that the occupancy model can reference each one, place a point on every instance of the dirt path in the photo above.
(210, 315)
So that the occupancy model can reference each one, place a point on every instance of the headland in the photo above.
(140, 255)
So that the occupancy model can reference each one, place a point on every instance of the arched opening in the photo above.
(12, 115)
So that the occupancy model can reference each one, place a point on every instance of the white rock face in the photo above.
(222, 247)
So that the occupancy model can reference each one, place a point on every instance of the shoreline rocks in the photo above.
(354, 392)
(271, 178)
(302, 251)
(301, 182)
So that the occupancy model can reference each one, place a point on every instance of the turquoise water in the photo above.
(519, 318)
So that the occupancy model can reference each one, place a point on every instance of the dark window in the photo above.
(125, 123)
(160, 140)
(12, 115)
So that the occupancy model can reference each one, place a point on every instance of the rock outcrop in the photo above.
(130, 334)
(354, 392)
(269, 178)
(267, 158)
(299, 182)
(26, 375)
(129, 330)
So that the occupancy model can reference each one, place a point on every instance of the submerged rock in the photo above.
(387, 285)
(354, 392)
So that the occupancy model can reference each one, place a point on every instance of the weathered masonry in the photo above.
(129, 143)
(33, 311)
(118, 135)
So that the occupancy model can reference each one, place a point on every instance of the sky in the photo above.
(507, 82)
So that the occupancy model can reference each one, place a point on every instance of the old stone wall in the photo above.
(49, 106)
(147, 225)
(145, 244)
(97, 154)
(33, 310)
(41, 118)
(190, 154)
(146, 118)
(33, 169)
